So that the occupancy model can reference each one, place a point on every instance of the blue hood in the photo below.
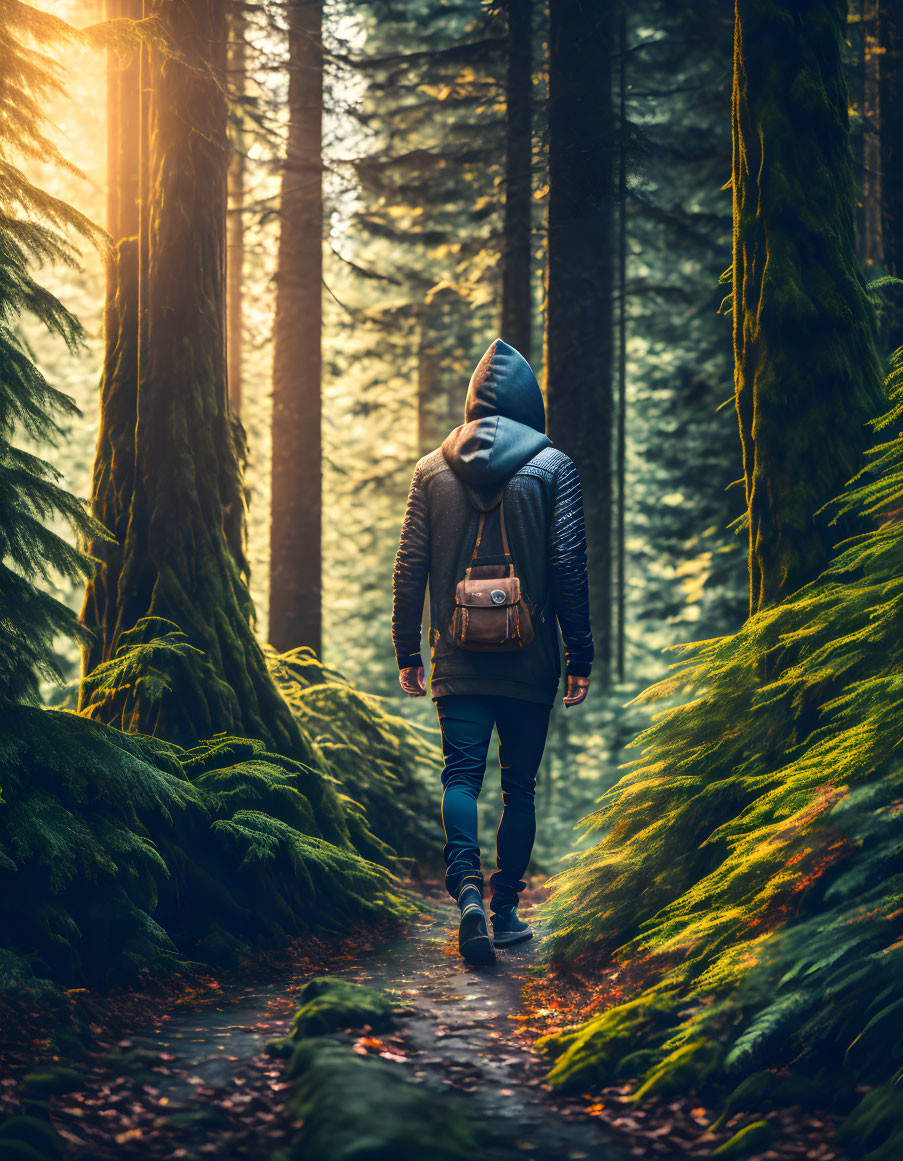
(504, 427)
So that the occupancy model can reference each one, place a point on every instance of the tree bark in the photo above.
(517, 297)
(579, 278)
(890, 33)
(113, 474)
(167, 477)
(622, 344)
(235, 226)
(872, 242)
(806, 372)
(295, 529)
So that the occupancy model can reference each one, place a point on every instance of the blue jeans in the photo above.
(467, 722)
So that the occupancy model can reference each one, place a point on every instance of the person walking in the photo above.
(494, 523)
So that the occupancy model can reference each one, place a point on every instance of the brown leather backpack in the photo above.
(492, 614)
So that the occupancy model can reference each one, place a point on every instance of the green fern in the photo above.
(754, 846)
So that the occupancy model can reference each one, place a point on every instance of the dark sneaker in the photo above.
(473, 934)
(508, 929)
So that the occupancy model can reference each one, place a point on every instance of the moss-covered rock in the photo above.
(363, 1108)
(51, 1081)
(328, 1004)
(596, 1049)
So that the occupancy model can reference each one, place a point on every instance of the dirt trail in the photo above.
(200, 1084)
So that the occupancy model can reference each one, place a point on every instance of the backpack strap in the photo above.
(506, 551)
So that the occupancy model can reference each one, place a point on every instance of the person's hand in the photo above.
(577, 689)
(412, 682)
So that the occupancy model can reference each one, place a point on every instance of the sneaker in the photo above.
(508, 929)
(473, 934)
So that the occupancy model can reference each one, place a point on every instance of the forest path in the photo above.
(200, 1084)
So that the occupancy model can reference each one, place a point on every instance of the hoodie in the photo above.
(504, 425)
(500, 449)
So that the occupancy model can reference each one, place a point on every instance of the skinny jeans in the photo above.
(467, 722)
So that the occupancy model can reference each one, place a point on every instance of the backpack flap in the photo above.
(487, 592)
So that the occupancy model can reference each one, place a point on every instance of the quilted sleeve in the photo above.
(412, 566)
(567, 562)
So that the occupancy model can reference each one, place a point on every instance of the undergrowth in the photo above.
(755, 848)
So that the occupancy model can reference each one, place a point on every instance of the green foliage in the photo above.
(381, 761)
(29, 1139)
(753, 850)
(120, 852)
(35, 228)
(875, 1129)
(135, 670)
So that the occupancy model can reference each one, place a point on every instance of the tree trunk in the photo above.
(235, 231)
(622, 342)
(517, 297)
(295, 551)
(872, 244)
(167, 472)
(579, 332)
(806, 373)
(890, 33)
(113, 475)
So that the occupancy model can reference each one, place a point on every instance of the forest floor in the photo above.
(195, 1080)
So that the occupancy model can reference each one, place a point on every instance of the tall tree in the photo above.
(296, 522)
(871, 241)
(517, 296)
(114, 463)
(167, 479)
(579, 335)
(890, 36)
(806, 375)
(621, 442)
(235, 227)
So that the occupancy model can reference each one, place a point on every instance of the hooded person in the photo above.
(500, 475)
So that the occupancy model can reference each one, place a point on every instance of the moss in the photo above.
(29, 1139)
(749, 1093)
(749, 1139)
(681, 1070)
(362, 1108)
(328, 1004)
(52, 1082)
(595, 1051)
(874, 1130)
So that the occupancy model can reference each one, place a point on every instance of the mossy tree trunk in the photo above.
(295, 527)
(235, 225)
(580, 274)
(114, 463)
(517, 296)
(890, 64)
(806, 371)
(167, 478)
